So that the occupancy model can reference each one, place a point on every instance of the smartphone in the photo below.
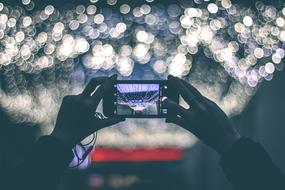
(138, 99)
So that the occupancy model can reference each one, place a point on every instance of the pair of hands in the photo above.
(204, 118)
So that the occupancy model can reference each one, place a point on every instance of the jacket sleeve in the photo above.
(43, 167)
(249, 167)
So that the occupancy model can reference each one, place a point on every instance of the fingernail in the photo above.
(121, 119)
(114, 76)
(168, 120)
(170, 77)
(165, 101)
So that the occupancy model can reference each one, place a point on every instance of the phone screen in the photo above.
(139, 99)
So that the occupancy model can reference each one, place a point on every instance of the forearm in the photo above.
(248, 167)
(43, 167)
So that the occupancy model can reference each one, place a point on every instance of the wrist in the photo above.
(227, 143)
(63, 138)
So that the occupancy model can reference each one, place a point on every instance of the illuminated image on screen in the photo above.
(138, 99)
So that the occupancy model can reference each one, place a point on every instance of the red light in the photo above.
(141, 154)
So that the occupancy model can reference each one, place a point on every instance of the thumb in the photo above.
(189, 125)
(111, 121)
(174, 108)
(176, 120)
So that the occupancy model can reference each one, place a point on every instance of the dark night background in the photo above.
(263, 120)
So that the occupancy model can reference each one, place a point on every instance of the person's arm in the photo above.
(244, 162)
(43, 166)
(49, 157)
(248, 166)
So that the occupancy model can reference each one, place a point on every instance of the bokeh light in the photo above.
(48, 53)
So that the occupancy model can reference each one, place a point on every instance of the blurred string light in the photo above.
(248, 43)
(43, 49)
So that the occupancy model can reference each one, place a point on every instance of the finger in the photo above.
(188, 124)
(103, 89)
(176, 120)
(173, 107)
(203, 102)
(111, 121)
(196, 102)
(93, 83)
(210, 102)
(192, 89)
(178, 85)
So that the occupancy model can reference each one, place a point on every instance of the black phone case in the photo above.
(109, 100)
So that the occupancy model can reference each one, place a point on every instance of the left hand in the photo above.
(76, 118)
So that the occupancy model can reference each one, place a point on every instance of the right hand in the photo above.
(204, 118)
